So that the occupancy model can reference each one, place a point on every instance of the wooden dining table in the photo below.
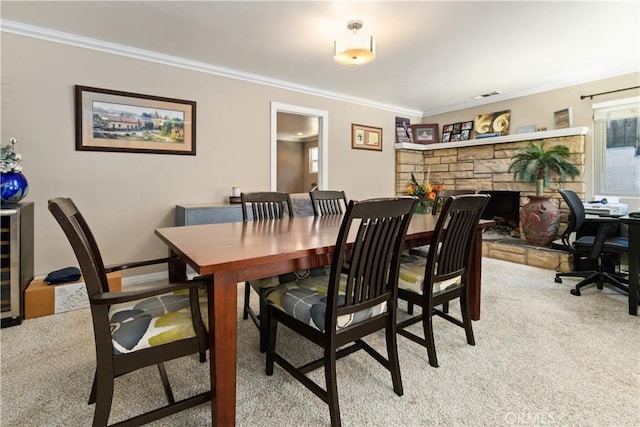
(230, 253)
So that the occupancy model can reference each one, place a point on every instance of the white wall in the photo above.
(125, 196)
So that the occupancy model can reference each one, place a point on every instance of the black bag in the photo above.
(65, 275)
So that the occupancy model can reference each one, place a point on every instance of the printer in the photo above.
(606, 206)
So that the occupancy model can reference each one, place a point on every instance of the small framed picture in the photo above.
(467, 125)
(464, 135)
(425, 134)
(447, 128)
(563, 118)
(366, 137)
(446, 137)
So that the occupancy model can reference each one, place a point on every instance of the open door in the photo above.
(290, 152)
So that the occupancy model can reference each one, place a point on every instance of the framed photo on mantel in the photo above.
(425, 134)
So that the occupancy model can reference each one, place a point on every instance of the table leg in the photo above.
(223, 334)
(475, 276)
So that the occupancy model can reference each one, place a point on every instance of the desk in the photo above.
(634, 262)
(235, 252)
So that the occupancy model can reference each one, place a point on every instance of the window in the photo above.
(313, 160)
(616, 126)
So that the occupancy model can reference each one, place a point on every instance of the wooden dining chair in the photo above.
(262, 206)
(337, 310)
(134, 329)
(444, 194)
(438, 203)
(443, 275)
(328, 202)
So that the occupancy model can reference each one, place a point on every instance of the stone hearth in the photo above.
(484, 167)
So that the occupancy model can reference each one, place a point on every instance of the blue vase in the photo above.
(14, 187)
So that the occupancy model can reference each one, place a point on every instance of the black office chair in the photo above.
(267, 205)
(592, 251)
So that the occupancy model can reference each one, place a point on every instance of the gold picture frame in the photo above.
(366, 137)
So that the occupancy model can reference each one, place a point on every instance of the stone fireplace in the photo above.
(504, 209)
(482, 165)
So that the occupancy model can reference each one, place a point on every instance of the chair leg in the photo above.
(332, 386)
(103, 399)
(427, 326)
(263, 324)
(203, 356)
(165, 384)
(466, 320)
(409, 308)
(587, 281)
(392, 352)
(272, 328)
(92, 395)
(247, 292)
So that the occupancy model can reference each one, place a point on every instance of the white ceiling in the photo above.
(432, 57)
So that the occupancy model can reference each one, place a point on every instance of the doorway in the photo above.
(295, 131)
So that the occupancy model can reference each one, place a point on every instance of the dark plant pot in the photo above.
(14, 187)
(539, 220)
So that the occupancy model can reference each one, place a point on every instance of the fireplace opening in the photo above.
(504, 209)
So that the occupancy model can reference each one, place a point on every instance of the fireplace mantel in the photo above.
(497, 140)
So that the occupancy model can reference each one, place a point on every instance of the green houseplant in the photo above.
(539, 219)
(534, 163)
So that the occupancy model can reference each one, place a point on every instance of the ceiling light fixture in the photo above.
(354, 49)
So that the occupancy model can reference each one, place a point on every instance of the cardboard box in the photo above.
(41, 299)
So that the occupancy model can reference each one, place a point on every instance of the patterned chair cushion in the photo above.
(422, 251)
(306, 300)
(412, 276)
(153, 321)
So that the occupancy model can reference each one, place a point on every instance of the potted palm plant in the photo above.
(539, 219)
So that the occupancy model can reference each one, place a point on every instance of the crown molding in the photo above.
(41, 33)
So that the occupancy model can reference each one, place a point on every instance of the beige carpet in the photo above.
(543, 357)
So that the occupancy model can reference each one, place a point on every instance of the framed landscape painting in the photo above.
(109, 120)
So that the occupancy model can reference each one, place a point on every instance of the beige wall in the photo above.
(290, 167)
(126, 196)
(538, 109)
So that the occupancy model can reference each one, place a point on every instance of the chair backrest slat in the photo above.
(266, 205)
(451, 247)
(368, 247)
(328, 202)
(443, 195)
